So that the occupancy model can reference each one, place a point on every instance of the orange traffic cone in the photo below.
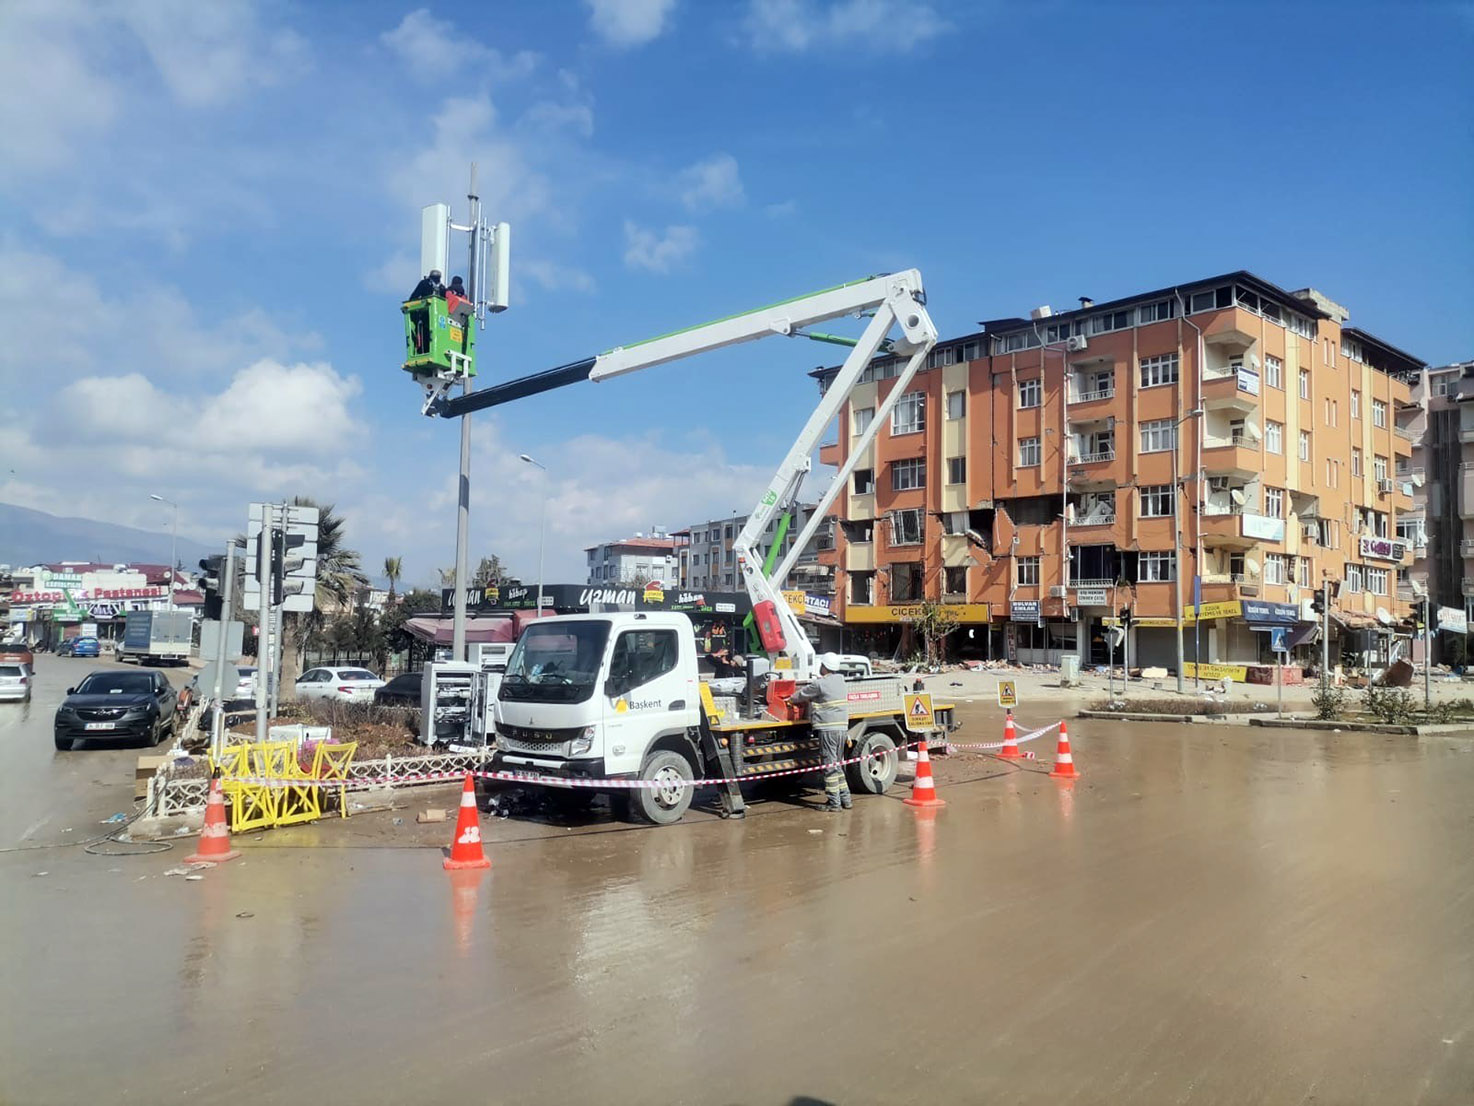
(923, 788)
(465, 847)
(214, 843)
(1010, 740)
(1064, 763)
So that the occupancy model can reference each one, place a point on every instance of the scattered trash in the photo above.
(816, 831)
(119, 817)
(67, 830)
(182, 831)
(245, 914)
(40, 874)
(429, 814)
(177, 872)
(955, 683)
(194, 877)
(200, 865)
(399, 821)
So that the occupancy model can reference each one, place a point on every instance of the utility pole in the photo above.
(217, 725)
(1325, 634)
(1428, 653)
(263, 623)
(463, 500)
(1177, 539)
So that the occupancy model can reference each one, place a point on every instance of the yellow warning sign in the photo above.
(918, 712)
(1007, 693)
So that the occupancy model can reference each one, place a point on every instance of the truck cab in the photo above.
(590, 695)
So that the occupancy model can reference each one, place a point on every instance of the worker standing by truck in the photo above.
(830, 716)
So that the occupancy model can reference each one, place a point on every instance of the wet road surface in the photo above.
(1211, 915)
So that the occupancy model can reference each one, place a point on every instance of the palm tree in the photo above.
(393, 568)
(340, 578)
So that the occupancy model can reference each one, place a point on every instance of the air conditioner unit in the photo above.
(1384, 486)
(1058, 592)
(1218, 483)
(1075, 343)
(1310, 531)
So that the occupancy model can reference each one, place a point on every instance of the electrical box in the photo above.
(448, 697)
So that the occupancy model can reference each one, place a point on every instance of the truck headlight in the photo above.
(583, 742)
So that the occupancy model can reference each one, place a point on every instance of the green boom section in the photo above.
(435, 341)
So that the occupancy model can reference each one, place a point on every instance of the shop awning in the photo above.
(441, 631)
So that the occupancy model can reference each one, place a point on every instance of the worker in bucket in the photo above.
(830, 716)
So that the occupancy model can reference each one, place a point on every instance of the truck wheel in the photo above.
(873, 777)
(662, 806)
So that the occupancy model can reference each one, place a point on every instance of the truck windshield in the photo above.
(556, 663)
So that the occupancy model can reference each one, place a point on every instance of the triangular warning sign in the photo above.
(919, 709)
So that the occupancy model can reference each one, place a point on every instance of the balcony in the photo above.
(1091, 395)
(1227, 389)
(1095, 457)
(829, 454)
(1469, 585)
(1220, 587)
(1406, 434)
(1466, 547)
(1234, 455)
(1096, 518)
(859, 557)
(1238, 528)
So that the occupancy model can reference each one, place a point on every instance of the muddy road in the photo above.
(1210, 915)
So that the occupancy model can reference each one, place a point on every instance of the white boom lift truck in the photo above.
(619, 696)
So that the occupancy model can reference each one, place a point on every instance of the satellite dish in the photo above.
(1383, 616)
(1417, 479)
(1254, 361)
(1237, 495)
(1251, 566)
(1251, 431)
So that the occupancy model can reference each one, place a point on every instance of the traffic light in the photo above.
(212, 570)
(1318, 601)
(1126, 617)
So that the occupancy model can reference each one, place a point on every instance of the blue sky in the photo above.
(219, 204)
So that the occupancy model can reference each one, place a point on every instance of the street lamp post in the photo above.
(173, 544)
(542, 528)
(1177, 540)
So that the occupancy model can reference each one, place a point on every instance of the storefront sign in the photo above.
(1239, 673)
(1143, 623)
(1024, 610)
(1263, 527)
(1277, 614)
(576, 598)
(962, 612)
(1090, 597)
(1383, 549)
(817, 604)
(795, 601)
(1453, 620)
(1208, 612)
(53, 596)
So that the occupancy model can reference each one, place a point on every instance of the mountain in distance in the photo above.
(30, 537)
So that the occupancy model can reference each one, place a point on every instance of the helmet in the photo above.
(434, 274)
(830, 661)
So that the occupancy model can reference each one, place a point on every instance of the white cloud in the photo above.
(714, 182)
(781, 210)
(876, 25)
(629, 22)
(302, 409)
(550, 116)
(553, 277)
(655, 252)
(433, 49)
(211, 53)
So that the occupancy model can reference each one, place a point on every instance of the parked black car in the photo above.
(112, 706)
(402, 691)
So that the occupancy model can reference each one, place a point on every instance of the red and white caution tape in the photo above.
(999, 744)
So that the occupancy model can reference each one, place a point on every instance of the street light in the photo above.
(542, 527)
(173, 544)
(1177, 539)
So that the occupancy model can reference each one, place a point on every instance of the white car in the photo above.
(15, 683)
(349, 685)
(246, 687)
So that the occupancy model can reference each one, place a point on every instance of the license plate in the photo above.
(101, 725)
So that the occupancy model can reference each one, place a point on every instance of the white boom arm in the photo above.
(897, 299)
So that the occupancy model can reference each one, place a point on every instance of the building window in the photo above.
(1274, 568)
(906, 527)
(1111, 320)
(1355, 578)
(956, 404)
(1379, 413)
(863, 417)
(1158, 435)
(1274, 372)
(1379, 467)
(1377, 580)
(908, 475)
(1330, 411)
(1305, 445)
(862, 587)
(1302, 571)
(1274, 436)
(955, 580)
(859, 533)
(1446, 384)
(1157, 312)
(729, 531)
(864, 481)
(941, 357)
(1377, 523)
(1274, 502)
(1355, 461)
(1355, 404)
(1333, 472)
(1028, 452)
(1030, 393)
(1304, 383)
(1155, 568)
(909, 417)
(1156, 500)
(1026, 574)
(1159, 370)
(957, 470)
(906, 581)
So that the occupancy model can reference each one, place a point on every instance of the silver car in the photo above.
(15, 683)
(347, 685)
